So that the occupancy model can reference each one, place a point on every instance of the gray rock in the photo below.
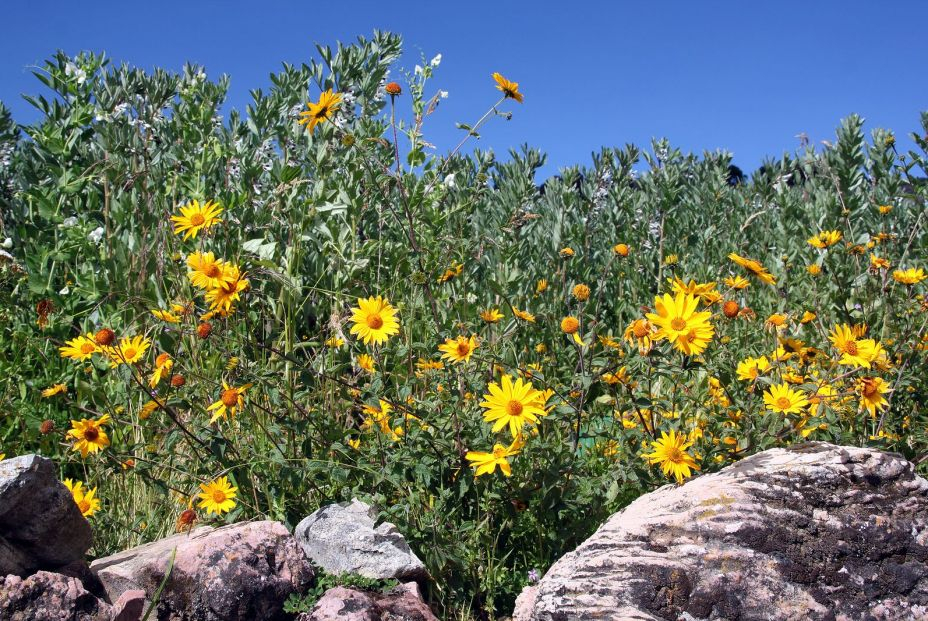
(240, 571)
(813, 532)
(404, 603)
(47, 596)
(342, 538)
(40, 525)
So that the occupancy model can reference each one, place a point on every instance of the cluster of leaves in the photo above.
(304, 602)
(361, 207)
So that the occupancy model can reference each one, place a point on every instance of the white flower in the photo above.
(418, 70)
(436, 61)
(8, 243)
(449, 181)
(443, 94)
(69, 222)
(65, 290)
(96, 235)
(73, 70)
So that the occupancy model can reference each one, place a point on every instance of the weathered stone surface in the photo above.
(47, 596)
(813, 532)
(130, 606)
(241, 571)
(40, 525)
(404, 603)
(342, 538)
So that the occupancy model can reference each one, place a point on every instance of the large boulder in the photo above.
(47, 596)
(343, 538)
(404, 603)
(40, 524)
(241, 571)
(813, 532)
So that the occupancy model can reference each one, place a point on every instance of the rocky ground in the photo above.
(816, 531)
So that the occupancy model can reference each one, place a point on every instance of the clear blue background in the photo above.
(743, 76)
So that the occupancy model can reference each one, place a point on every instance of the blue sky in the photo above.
(742, 76)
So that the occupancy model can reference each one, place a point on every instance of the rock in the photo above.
(241, 571)
(404, 603)
(130, 606)
(40, 525)
(813, 532)
(341, 538)
(47, 596)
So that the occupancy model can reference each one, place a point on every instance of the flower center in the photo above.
(869, 389)
(87, 348)
(84, 506)
(499, 452)
(129, 353)
(514, 408)
(212, 270)
(678, 324)
(374, 322)
(219, 496)
(674, 454)
(229, 397)
(851, 348)
(783, 403)
(463, 348)
(91, 434)
(640, 329)
(162, 360)
(323, 113)
(197, 219)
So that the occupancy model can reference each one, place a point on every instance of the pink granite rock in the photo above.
(241, 571)
(404, 603)
(130, 606)
(813, 532)
(47, 596)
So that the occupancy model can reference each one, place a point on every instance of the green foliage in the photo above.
(304, 602)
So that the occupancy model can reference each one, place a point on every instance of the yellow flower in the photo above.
(754, 267)
(878, 263)
(671, 260)
(705, 291)
(334, 342)
(640, 331)
(56, 389)
(320, 111)
(737, 282)
(621, 250)
(807, 317)
(678, 322)
(148, 409)
(163, 366)
(491, 315)
(85, 500)
(166, 316)
(486, 463)
(366, 363)
(570, 325)
(776, 321)
(782, 398)
(374, 320)
(230, 401)
(871, 391)
(911, 276)
(81, 348)
(750, 369)
(523, 315)
(88, 435)
(814, 269)
(222, 297)
(885, 209)
(425, 366)
(459, 349)
(513, 403)
(509, 89)
(217, 496)
(670, 453)
(195, 218)
(541, 286)
(378, 416)
(581, 292)
(825, 239)
(567, 252)
(452, 272)
(854, 350)
(129, 351)
(355, 443)
(208, 272)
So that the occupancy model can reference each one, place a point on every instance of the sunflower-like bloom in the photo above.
(81, 348)
(459, 349)
(678, 322)
(782, 398)
(85, 500)
(670, 453)
(640, 332)
(705, 291)
(366, 363)
(208, 272)
(509, 89)
(911, 276)
(513, 403)
(379, 417)
(523, 315)
(871, 391)
(491, 315)
(88, 435)
(374, 320)
(165, 316)
(194, 218)
(825, 239)
(217, 496)
(231, 400)
(754, 267)
(227, 293)
(486, 463)
(163, 365)
(321, 111)
(854, 350)
(750, 369)
(56, 389)
(737, 282)
(129, 350)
